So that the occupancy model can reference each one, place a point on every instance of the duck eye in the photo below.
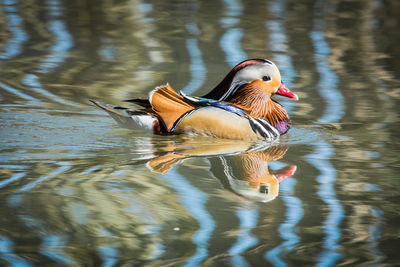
(266, 78)
(263, 189)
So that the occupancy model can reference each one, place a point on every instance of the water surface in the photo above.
(77, 190)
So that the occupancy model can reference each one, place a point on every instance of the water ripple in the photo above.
(61, 169)
(197, 69)
(15, 177)
(334, 99)
(194, 200)
(375, 235)
(232, 10)
(327, 178)
(278, 44)
(33, 82)
(19, 36)
(33, 101)
(53, 246)
(248, 220)
(287, 230)
(109, 255)
(7, 253)
(63, 40)
(230, 42)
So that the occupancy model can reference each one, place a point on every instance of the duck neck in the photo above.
(260, 105)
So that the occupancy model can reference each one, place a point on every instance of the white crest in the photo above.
(251, 73)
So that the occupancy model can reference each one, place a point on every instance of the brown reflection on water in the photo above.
(246, 173)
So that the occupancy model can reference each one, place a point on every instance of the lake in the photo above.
(77, 190)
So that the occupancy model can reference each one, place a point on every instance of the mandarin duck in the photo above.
(239, 107)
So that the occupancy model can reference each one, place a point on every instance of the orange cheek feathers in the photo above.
(265, 87)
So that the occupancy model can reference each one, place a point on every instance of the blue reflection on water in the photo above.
(107, 50)
(279, 45)
(109, 255)
(232, 10)
(248, 220)
(53, 247)
(230, 42)
(13, 48)
(63, 40)
(323, 151)
(287, 230)
(34, 84)
(327, 178)
(31, 99)
(15, 177)
(8, 254)
(63, 44)
(334, 99)
(197, 69)
(14, 23)
(293, 215)
(62, 169)
(194, 200)
(375, 235)
(79, 212)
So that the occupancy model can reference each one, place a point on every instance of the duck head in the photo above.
(255, 75)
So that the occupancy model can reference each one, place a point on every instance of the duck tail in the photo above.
(140, 102)
(132, 119)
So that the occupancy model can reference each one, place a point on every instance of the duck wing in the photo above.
(228, 120)
(203, 102)
(169, 105)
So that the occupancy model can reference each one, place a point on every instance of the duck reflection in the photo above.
(240, 167)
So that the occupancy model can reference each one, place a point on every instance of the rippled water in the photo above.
(77, 190)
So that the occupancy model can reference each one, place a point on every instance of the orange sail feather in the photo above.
(168, 104)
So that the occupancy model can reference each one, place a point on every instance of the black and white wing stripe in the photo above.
(264, 128)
